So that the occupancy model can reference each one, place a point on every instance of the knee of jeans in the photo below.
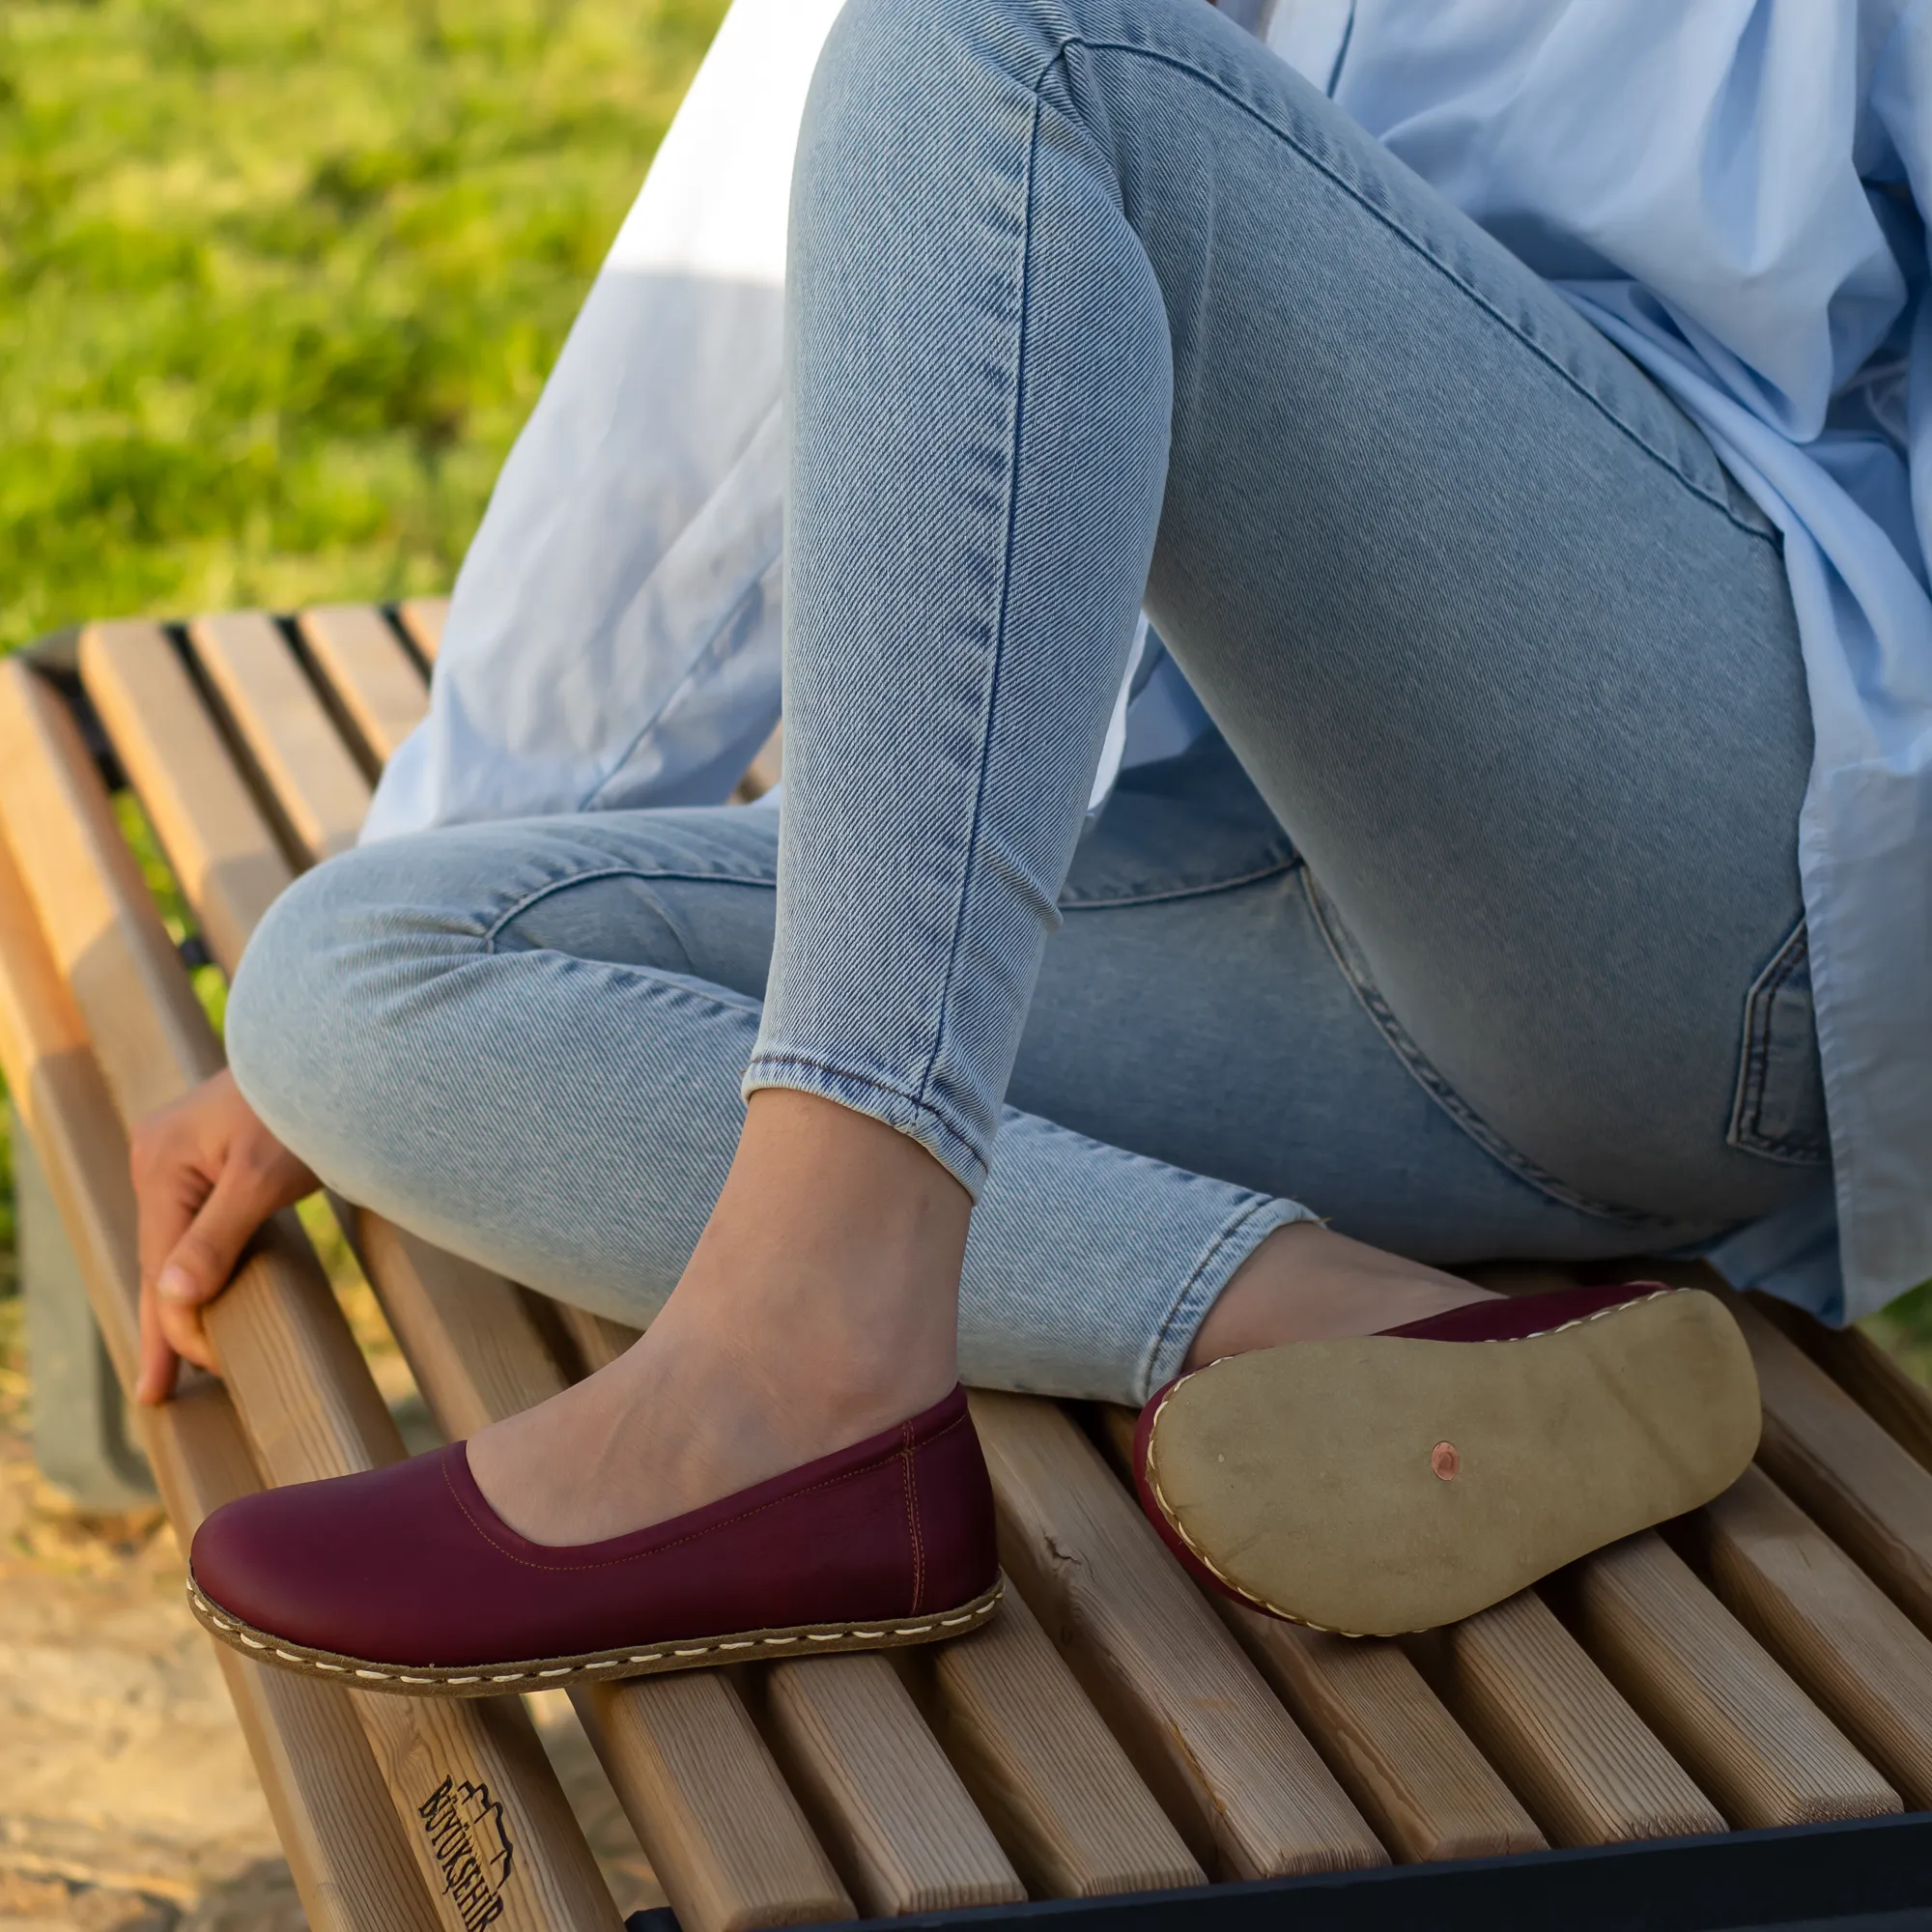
(912, 44)
(314, 1011)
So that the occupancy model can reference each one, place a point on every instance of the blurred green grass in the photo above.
(280, 283)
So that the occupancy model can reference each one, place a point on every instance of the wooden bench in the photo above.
(1753, 1684)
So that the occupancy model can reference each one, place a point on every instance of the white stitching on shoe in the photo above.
(235, 1633)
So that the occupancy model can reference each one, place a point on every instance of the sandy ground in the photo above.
(127, 1803)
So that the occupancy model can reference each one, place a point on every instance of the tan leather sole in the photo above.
(497, 1680)
(1378, 1483)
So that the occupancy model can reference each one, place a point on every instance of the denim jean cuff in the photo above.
(1238, 1236)
(915, 1119)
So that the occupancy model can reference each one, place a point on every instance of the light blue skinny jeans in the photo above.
(1476, 929)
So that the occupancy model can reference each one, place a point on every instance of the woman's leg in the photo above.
(1089, 298)
(1135, 309)
(525, 1040)
(1105, 229)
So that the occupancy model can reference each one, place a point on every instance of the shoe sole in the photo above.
(496, 1680)
(1379, 1485)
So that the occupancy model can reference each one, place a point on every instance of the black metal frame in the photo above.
(1867, 1875)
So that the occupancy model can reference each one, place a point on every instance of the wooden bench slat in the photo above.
(378, 687)
(888, 1806)
(1244, 1786)
(1424, 1787)
(422, 620)
(1707, 1687)
(111, 952)
(719, 1825)
(342, 1835)
(469, 1342)
(1420, 1782)
(1870, 1377)
(301, 1387)
(284, 727)
(1864, 1491)
(1830, 1626)
(1047, 1772)
(209, 826)
(1549, 1719)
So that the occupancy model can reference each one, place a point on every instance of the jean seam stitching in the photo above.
(878, 1086)
(1223, 1235)
(541, 892)
(969, 868)
(1166, 894)
(1747, 1131)
(1412, 241)
(1424, 1074)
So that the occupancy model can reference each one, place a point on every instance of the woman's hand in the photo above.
(207, 1174)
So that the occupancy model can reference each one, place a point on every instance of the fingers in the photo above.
(196, 1269)
(207, 1174)
(155, 1378)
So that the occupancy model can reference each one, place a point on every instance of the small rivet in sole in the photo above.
(1444, 1460)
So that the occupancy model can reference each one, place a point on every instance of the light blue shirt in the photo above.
(1728, 189)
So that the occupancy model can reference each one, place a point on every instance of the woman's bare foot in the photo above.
(819, 1307)
(1306, 1283)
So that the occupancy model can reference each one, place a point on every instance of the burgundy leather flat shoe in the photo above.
(403, 1579)
(1378, 1483)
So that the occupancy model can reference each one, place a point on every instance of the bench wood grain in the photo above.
(217, 842)
(890, 1807)
(1704, 1684)
(281, 725)
(422, 620)
(1047, 1772)
(1860, 1367)
(1549, 1719)
(1860, 1487)
(1247, 1790)
(381, 692)
(1825, 1621)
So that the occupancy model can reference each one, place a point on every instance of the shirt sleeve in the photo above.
(613, 636)
(1899, 157)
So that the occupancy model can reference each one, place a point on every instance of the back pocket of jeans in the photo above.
(1780, 1107)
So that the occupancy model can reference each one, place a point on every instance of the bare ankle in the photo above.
(1307, 1283)
(819, 1307)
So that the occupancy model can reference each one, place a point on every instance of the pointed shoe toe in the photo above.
(403, 1579)
(1375, 1485)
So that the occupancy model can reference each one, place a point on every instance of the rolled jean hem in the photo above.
(1238, 1237)
(864, 1093)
